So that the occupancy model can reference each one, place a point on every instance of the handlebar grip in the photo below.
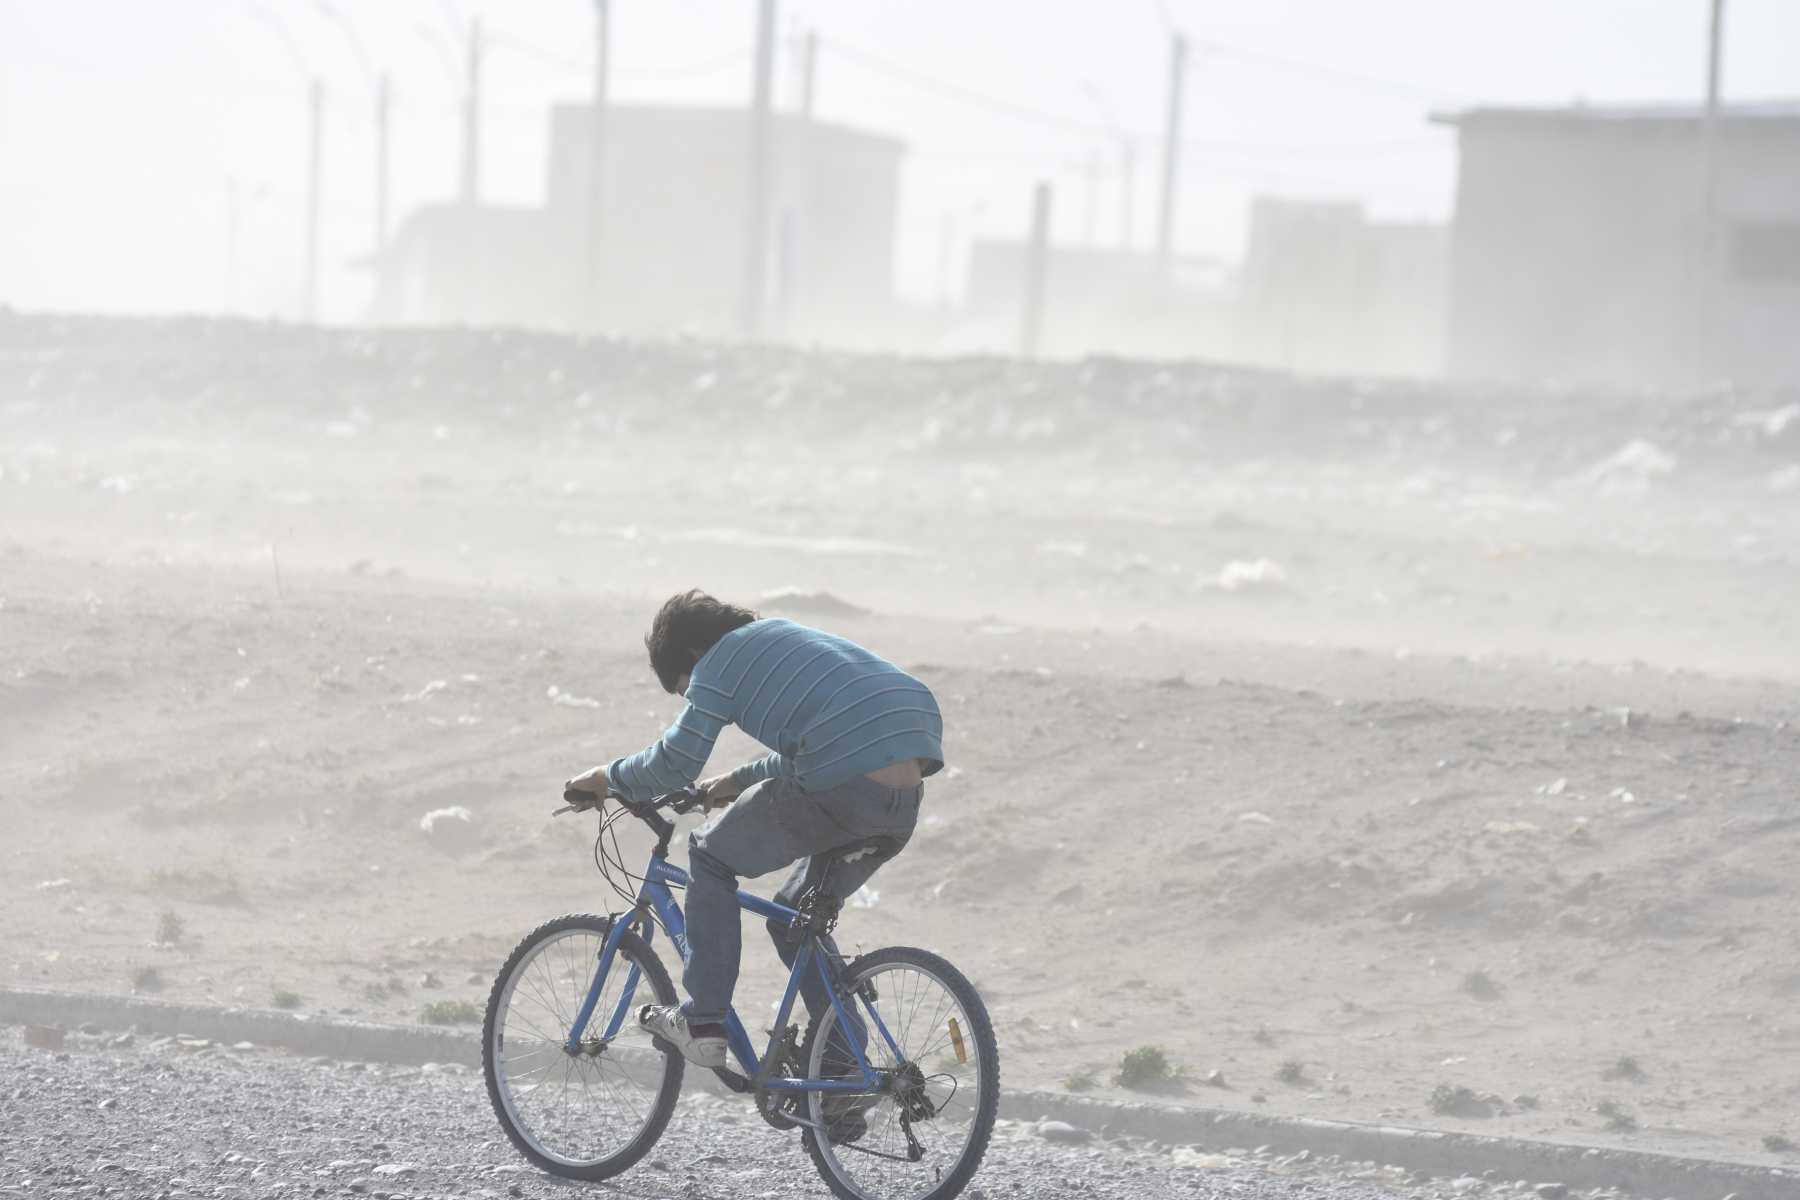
(577, 798)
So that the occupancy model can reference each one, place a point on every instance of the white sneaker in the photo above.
(703, 1046)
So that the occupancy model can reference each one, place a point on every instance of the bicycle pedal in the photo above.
(732, 1080)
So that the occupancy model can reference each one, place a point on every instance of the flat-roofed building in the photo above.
(672, 232)
(1579, 248)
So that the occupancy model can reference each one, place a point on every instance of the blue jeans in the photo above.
(772, 824)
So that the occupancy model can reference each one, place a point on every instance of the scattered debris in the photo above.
(44, 1037)
(1062, 1131)
(1629, 470)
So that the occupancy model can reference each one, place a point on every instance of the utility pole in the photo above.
(1165, 222)
(809, 72)
(596, 172)
(946, 241)
(1707, 249)
(1127, 192)
(309, 273)
(756, 230)
(231, 244)
(471, 147)
(1090, 223)
(384, 98)
(1037, 270)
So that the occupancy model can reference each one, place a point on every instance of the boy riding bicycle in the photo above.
(851, 738)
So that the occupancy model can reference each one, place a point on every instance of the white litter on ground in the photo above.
(1629, 470)
(568, 699)
(1256, 575)
(437, 816)
(1783, 480)
(1771, 422)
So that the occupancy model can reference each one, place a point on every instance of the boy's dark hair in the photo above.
(687, 626)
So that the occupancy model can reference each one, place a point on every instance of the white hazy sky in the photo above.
(125, 125)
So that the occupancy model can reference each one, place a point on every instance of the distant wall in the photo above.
(1324, 289)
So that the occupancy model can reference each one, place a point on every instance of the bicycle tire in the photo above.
(980, 1033)
(632, 950)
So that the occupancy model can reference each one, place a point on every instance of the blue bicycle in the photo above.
(894, 1085)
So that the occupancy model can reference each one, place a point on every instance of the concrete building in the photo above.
(1322, 288)
(1579, 252)
(672, 233)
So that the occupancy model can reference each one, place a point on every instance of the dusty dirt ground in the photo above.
(1475, 771)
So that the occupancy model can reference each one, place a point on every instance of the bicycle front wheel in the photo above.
(929, 1037)
(593, 1112)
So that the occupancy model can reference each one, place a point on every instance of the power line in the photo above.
(1327, 74)
(883, 65)
(585, 66)
(1213, 149)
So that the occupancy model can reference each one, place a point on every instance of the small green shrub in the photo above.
(1084, 1080)
(379, 990)
(1262, 1036)
(1448, 1101)
(1774, 1143)
(1481, 985)
(1146, 1067)
(283, 998)
(146, 979)
(1626, 1068)
(1617, 1119)
(450, 1012)
(170, 928)
(1292, 1071)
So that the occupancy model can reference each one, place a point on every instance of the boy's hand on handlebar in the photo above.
(718, 791)
(594, 780)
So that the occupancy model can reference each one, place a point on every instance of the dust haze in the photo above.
(1360, 591)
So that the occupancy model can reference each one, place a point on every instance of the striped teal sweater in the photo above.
(828, 709)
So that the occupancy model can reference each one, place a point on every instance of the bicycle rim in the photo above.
(937, 1036)
(577, 1111)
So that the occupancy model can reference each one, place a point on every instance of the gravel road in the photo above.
(118, 1115)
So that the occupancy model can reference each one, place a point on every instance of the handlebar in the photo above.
(685, 800)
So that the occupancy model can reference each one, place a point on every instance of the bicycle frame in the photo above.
(655, 894)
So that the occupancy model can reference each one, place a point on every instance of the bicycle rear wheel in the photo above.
(591, 1114)
(924, 1135)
